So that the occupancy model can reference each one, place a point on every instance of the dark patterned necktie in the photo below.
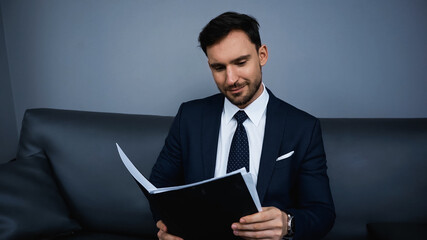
(239, 150)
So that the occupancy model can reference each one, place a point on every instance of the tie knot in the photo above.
(240, 116)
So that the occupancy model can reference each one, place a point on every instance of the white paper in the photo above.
(134, 171)
(250, 183)
(165, 189)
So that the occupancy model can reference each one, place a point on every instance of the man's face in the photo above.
(236, 67)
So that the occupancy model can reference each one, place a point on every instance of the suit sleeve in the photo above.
(168, 169)
(314, 214)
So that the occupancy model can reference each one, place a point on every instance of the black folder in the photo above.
(203, 210)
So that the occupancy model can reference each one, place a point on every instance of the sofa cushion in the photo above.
(395, 230)
(87, 235)
(30, 203)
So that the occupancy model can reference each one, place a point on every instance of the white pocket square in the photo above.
(285, 156)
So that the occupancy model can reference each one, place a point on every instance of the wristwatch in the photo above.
(291, 227)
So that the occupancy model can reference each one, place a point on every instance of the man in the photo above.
(282, 145)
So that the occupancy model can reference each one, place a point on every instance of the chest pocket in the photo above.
(283, 163)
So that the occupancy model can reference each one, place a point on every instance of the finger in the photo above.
(258, 226)
(160, 225)
(162, 235)
(266, 234)
(273, 227)
(267, 214)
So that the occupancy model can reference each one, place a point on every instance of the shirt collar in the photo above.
(255, 110)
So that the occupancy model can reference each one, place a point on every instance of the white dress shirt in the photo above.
(254, 126)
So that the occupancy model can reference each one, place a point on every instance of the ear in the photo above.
(263, 55)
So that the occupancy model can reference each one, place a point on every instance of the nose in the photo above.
(231, 75)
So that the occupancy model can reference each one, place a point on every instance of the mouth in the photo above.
(236, 89)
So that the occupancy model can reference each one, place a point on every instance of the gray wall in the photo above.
(8, 127)
(353, 58)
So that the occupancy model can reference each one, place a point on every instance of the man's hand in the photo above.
(163, 234)
(270, 223)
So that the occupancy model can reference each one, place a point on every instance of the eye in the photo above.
(219, 68)
(241, 63)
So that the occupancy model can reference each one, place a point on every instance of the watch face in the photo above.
(291, 226)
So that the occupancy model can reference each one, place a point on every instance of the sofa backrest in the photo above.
(377, 171)
(377, 167)
(98, 189)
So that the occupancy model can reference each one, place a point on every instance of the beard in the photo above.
(239, 99)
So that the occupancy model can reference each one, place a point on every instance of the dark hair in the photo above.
(221, 26)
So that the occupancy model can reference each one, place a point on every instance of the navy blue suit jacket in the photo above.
(298, 185)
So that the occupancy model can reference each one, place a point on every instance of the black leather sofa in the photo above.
(68, 182)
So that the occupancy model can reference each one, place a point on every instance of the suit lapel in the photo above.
(210, 131)
(274, 128)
